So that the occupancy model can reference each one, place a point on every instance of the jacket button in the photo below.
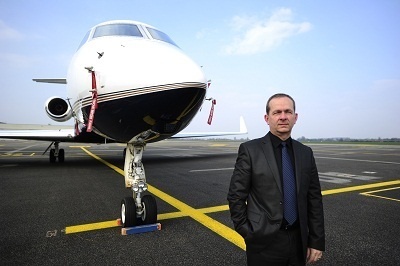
(280, 202)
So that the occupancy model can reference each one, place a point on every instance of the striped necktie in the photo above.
(289, 187)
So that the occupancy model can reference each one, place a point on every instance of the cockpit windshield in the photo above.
(161, 36)
(127, 29)
(117, 30)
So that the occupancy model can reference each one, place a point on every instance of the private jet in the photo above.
(128, 82)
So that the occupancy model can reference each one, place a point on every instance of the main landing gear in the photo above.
(56, 152)
(138, 209)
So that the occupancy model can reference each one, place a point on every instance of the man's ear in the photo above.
(266, 118)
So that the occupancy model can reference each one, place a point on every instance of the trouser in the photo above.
(284, 250)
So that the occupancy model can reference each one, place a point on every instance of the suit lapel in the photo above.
(270, 158)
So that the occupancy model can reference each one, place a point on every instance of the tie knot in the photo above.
(283, 144)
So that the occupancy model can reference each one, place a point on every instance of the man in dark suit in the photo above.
(275, 196)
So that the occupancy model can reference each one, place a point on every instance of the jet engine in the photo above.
(58, 109)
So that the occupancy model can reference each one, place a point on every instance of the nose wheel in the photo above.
(149, 207)
(131, 216)
(128, 212)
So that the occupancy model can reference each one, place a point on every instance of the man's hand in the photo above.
(313, 255)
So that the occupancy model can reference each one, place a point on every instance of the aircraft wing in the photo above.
(37, 132)
(242, 131)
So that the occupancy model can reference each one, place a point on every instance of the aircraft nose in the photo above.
(151, 61)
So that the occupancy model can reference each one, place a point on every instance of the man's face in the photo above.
(281, 117)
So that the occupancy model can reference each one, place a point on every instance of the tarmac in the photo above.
(66, 213)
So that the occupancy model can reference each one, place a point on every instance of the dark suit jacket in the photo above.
(256, 197)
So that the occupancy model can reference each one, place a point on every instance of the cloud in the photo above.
(7, 33)
(256, 35)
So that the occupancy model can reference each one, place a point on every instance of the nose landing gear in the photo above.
(138, 209)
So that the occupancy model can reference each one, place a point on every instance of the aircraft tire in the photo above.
(128, 212)
(149, 210)
(61, 156)
(52, 156)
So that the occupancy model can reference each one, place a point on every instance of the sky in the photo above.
(339, 60)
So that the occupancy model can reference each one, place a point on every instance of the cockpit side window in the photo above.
(117, 30)
(161, 36)
(84, 39)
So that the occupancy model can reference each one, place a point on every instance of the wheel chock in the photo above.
(140, 229)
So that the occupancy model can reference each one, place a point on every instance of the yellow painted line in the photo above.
(114, 223)
(381, 197)
(380, 190)
(371, 194)
(217, 227)
(171, 215)
(218, 145)
(115, 168)
(362, 187)
(74, 146)
(215, 209)
(110, 224)
(90, 227)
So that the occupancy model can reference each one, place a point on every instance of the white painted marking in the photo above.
(27, 147)
(334, 180)
(356, 160)
(51, 233)
(342, 178)
(351, 176)
(211, 170)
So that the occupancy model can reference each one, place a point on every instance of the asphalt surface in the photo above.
(40, 204)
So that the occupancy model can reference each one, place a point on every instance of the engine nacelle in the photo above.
(58, 109)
